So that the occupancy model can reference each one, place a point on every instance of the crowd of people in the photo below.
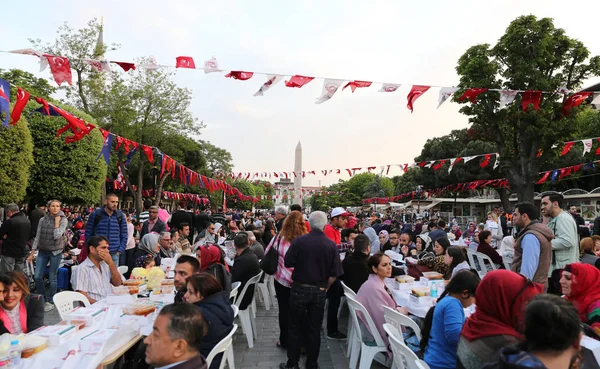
(542, 255)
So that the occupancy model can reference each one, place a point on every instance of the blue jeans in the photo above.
(42, 260)
(116, 259)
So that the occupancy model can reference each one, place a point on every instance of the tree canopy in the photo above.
(16, 159)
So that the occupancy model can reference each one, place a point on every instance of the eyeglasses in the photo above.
(153, 212)
(212, 228)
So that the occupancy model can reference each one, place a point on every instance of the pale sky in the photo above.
(394, 41)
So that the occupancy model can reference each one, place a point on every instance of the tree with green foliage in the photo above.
(532, 55)
(38, 87)
(69, 172)
(16, 159)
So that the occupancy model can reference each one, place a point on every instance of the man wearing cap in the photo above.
(339, 218)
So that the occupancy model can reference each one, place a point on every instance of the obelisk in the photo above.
(298, 177)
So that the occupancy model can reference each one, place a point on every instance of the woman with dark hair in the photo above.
(580, 283)
(436, 263)
(501, 299)
(586, 250)
(484, 247)
(443, 322)
(204, 291)
(21, 311)
(456, 259)
(269, 232)
(552, 337)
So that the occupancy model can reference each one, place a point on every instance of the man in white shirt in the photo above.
(95, 275)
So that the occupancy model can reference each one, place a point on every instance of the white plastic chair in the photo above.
(349, 292)
(399, 320)
(64, 302)
(507, 263)
(477, 260)
(123, 269)
(74, 277)
(223, 346)
(234, 290)
(248, 324)
(404, 357)
(367, 352)
(264, 292)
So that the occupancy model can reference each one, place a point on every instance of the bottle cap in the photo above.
(14, 342)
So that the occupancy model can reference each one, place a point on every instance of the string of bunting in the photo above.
(61, 71)
(553, 175)
(81, 128)
(436, 165)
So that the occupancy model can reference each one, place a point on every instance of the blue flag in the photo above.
(41, 110)
(589, 166)
(130, 156)
(554, 175)
(4, 101)
(106, 149)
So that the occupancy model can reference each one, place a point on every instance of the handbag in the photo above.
(270, 261)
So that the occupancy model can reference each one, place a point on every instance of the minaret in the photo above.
(298, 177)
(99, 50)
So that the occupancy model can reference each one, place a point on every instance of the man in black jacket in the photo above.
(355, 267)
(244, 267)
(183, 216)
(34, 218)
(15, 231)
(153, 224)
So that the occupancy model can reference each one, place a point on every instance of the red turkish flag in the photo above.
(438, 165)
(298, 81)
(415, 92)
(357, 84)
(60, 68)
(148, 151)
(185, 62)
(126, 66)
(485, 161)
(78, 126)
(574, 101)
(567, 148)
(22, 99)
(242, 76)
(472, 94)
(531, 97)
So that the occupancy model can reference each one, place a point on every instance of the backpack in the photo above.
(98, 217)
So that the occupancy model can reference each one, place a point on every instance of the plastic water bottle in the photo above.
(14, 354)
(434, 290)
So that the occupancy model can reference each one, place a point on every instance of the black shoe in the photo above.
(338, 336)
(286, 366)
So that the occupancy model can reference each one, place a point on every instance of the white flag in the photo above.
(445, 93)
(271, 81)
(430, 164)
(563, 89)
(587, 145)
(497, 161)
(506, 97)
(211, 65)
(596, 101)
(151, 65)
(451, 160)
(39, 54)
(469, 158)
(99, 65)
(330, 87)
(388, 87)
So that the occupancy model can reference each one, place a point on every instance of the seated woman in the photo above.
(382, 238)
(374, 294)
(443, 322)
(586, 250)
(21, 311)
(204, 291)
(422, 246)
(148, 246)
(469, 234)
(456, 259)
(501, 299)
(436, 263)
(484, 247)
(212, 262)
(580, 283)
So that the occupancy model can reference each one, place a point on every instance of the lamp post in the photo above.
(419, 189)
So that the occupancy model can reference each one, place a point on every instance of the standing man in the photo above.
(280, 214)
(565, 245)
(109, 222)
(34, 218)
(317, 265)
(153, 224)
(15, 231)
(339, 219)
(183, 216)
(582, 230)
(533, 246)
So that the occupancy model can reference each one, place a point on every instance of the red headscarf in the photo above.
(585, 287)
(501, 298)
(209, 254)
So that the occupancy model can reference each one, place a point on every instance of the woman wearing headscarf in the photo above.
(212, 261)
(370, 232)
(580, 283)
(497, 322)
(148, 246)
(469, 233)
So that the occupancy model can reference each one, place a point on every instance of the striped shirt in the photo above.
(283, 275)
(95, 283)
(144, 215)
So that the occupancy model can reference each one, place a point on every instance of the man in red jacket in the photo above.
(339, 218)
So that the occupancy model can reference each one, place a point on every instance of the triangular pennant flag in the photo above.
(415, 92)
(39, 54)
(428, 165)
(330, 87)
(211, 65)
(453, 161)
(596, 101)
(151, 64)
(298, 81)
(148, 151)
(497, 161)
(467, 159)
(507, 97)
(242, 76)
(357, 84)
(185, 62)
(563, 89)
(125, 65)
(445, 93)
(574, 101)
(22, 99)
(106, 149)
(271, 81)
(587, 145)
(60, 68)
(389, 87)
(472, 94)
(554, 175)
(98, 65)
(405, 168)
(531, 97)
(567, 148)
(438, 165)
(485, 161)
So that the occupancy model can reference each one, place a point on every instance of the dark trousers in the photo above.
(307, 305)
(334, 295)
(283, 300)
